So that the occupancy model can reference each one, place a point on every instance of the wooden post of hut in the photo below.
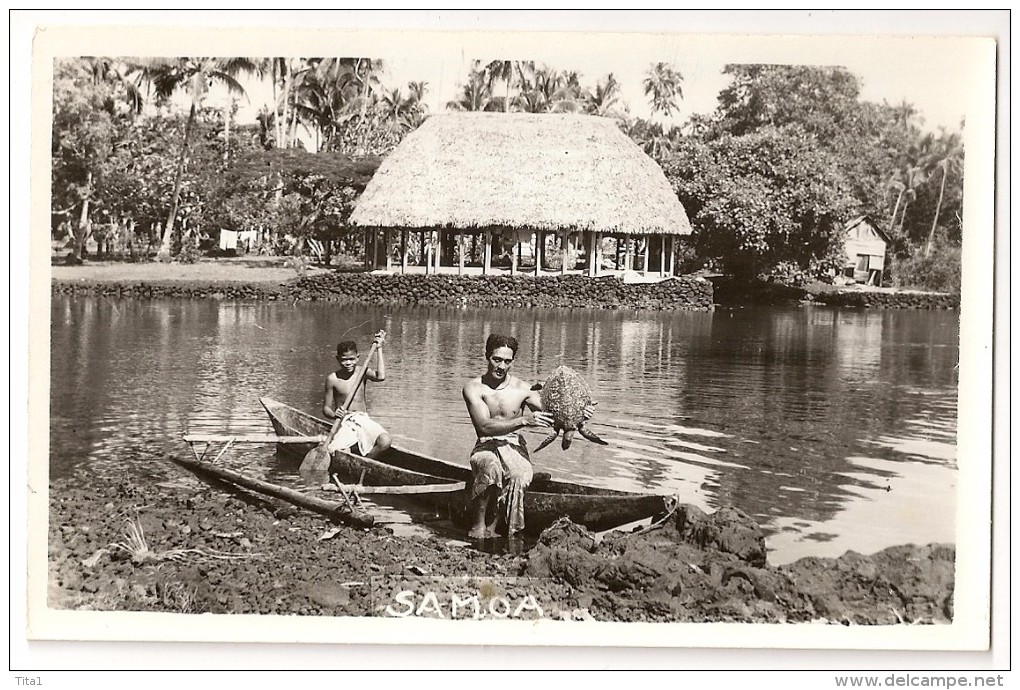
(437, 250)
(367, 234)
(538, 260)
(564, 251)
(590, 236)
(648, 247)
(487, 261)
(515, 251)
(386, 248)
(662, 256)
(629, 257)
(672, 255)
(403, 251)
(541, 249)
(423, 261)
(460, 253)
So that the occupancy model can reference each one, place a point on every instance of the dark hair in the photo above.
(495, 342)
(346, 346)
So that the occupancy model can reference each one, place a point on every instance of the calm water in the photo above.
(836, 429)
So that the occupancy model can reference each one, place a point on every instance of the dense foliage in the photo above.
(791, 153)
(768, 178)
(939, 271)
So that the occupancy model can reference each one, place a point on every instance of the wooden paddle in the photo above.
(316, 461)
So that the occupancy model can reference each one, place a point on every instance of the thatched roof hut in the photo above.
(515, 174)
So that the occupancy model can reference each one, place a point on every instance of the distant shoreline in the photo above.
(270, 278)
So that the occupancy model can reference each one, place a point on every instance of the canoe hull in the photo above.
(545, 501)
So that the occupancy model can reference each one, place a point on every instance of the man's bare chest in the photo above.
(504, 403)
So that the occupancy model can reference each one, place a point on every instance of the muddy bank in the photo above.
(683, 293)
(186, 546)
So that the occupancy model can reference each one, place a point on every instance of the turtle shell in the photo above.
(564, 395)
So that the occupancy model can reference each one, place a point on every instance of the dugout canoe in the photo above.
(545, 501)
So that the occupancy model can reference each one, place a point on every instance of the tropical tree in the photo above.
(913, 178)
(662, 85)
(543, 89)
(84, 136)
(604, 101)
(415, 110)
(946, 158)
(475, 94)
(503, 71)
(762, 200)
(193, 76)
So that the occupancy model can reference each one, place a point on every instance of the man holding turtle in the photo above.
(500, 405)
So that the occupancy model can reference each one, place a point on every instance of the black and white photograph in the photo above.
(524, 336)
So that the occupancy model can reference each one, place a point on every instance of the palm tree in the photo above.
(501, 70)
(393, 104)
(114, 73)
(475, 95)
(662, 83)
(415, 109)
(543, 89)
(604, 99)
(948, 156)
(905, 115)
(195, 76)
(329, 96)
(914, 177)
(366, 72)
(896, 183)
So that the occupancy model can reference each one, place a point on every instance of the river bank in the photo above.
(185, 546)
(265, 279)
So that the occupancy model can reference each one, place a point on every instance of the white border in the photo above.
(973, 551)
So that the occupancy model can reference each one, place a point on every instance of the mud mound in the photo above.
(697, 567)
(189, 547)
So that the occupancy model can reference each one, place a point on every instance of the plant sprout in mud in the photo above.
(136, 545)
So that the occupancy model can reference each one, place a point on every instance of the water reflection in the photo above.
(770, 410)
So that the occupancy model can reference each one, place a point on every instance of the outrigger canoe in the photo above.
(545, 501)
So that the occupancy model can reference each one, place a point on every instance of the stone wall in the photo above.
(684, 293)
(890, 300)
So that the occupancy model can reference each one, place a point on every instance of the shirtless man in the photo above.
(358, 430)
(501, 469)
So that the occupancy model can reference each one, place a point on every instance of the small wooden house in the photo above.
(866, 246)
(514, 180)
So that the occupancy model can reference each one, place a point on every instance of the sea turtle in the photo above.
(565, 395)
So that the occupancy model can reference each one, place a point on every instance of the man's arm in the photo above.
(379, 373)
(483, 421)
(329, 403)
(534, 400)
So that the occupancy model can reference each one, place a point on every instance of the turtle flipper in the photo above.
(590, 436)
(548, 439)
(568, 436)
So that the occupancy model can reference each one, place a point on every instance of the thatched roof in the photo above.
(543, 172)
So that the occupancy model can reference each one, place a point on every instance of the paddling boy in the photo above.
(501, 470)
(358, 432)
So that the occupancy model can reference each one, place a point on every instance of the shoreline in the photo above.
(270, 280)
(214, 549)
